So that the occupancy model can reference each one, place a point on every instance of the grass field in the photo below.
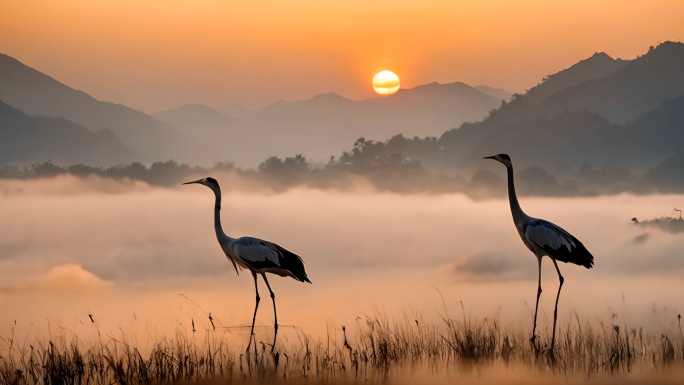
(382, 350)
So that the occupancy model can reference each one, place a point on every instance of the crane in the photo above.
(544, 238)
(256, 255)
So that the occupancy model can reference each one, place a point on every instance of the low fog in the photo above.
(125, 250)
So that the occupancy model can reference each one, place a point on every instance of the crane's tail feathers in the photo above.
(293, 263)
(581, 256)
(577, 253)
(586, 259)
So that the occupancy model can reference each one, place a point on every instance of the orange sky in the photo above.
(159, 54)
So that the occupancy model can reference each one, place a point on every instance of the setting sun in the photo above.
(386, 82)
(232, 151)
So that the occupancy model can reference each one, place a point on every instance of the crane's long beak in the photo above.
(490, 157)
(194, 181)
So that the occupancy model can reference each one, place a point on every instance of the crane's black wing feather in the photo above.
(558, 243)
(263, 255)
(293, 263)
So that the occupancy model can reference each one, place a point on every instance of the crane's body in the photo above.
(544, 238)
(262, 257)
(256, 255)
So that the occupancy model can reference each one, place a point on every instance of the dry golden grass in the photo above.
(384, 350)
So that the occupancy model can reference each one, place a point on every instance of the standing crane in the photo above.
(544, 238)
(256, 255)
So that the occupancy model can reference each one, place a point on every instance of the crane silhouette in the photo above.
(544, 238)
(256, 255)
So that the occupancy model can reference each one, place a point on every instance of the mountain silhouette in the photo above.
(596, 67)
(28, 139)
(35, 93)
(235, 111)
(641, 85)
(626, 112)
(498, 93)
(194, 115)
(599, 110)
(317, 127)
(653, 134)
(218, 135)
(326, 124)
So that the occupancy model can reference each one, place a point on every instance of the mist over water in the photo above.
(125, 252)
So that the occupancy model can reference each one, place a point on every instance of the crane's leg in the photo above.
(555, 310)
(275, 315)
(536, 307)
(256, 306)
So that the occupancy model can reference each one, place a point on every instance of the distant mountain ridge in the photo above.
(595, 67)
(27, 139)
(319, 127)
(35, 93)
(193, 115)
(622, 95)
(326, 124)
(620, 113)
(598, 110)
(494, 92)
(235, 111)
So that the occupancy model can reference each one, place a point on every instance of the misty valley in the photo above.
(110, 270)
(133, 270)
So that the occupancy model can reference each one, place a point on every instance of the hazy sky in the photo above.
(155, 54)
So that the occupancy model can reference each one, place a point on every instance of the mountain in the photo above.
(654, 134)
(208, 128)
(326, 124)
(667, 177)
(641, 85)
(522, 108)
(29, 139)
(235, 111)
(35, 93)
(495, 92)
(319, 127)
(582, 137)
(598, 110)
(193, 115)
(568, 138)
(596, 67)
(457, 101)
(630, 116)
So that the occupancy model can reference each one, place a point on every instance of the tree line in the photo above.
(397, 165)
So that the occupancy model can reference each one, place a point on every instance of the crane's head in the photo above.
(502, 158)
(209, 182)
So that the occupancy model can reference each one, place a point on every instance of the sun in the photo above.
(386, 82)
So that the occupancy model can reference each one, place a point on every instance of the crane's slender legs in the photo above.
(256, 306)
(536, 307)
(275, 315)
(555, 310)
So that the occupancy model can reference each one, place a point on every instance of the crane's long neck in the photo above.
(217, 215)
(223, 239)
(516, 210)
